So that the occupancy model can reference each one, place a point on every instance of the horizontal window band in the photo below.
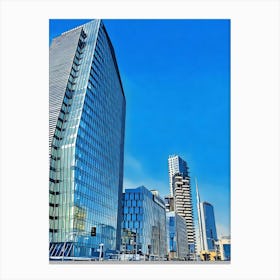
(55, 158)
(54, 181)
(54, 193)
(53, 204)
(57, 138)
(53, 217)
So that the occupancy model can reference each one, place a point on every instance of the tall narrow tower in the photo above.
(206, 224)
(184, 207)
(200, 231)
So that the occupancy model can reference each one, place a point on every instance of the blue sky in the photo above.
(176, 78)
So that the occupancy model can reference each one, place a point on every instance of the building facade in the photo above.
(176, 165)
(183, 206)
(224, 247)
(169, 203)
(208, 227)
(144, 217)
(177, 242)
(86, 143)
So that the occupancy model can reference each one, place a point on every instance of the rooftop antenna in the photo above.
(197, 193)
(199, 217)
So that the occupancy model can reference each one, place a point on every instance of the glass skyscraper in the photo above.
(86, 143)
(208, 226)
(144, 215)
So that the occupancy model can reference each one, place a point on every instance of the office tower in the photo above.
(176, 165)
(177, 244)
(144, 217)
(208, 227)
(86, 138)
(183, 207)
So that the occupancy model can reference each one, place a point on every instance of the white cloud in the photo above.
(132, 163)
(222, 230)
(135, 176)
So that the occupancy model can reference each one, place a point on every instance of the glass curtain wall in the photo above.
(86, 168)
(144, 215)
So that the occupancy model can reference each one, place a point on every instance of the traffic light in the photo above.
(93, 231)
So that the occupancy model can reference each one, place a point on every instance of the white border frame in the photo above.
(254, 137)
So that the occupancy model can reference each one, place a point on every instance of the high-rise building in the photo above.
(177, 242)
(209, 246)
(144, 217)
(86, 143)
(183, 206)
(176, 165)
(199, 213)
(208, 227)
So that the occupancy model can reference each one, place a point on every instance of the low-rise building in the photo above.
(224, 247)
(177, 244)
(145, 221)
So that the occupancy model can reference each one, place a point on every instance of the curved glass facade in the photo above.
(86, 159)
